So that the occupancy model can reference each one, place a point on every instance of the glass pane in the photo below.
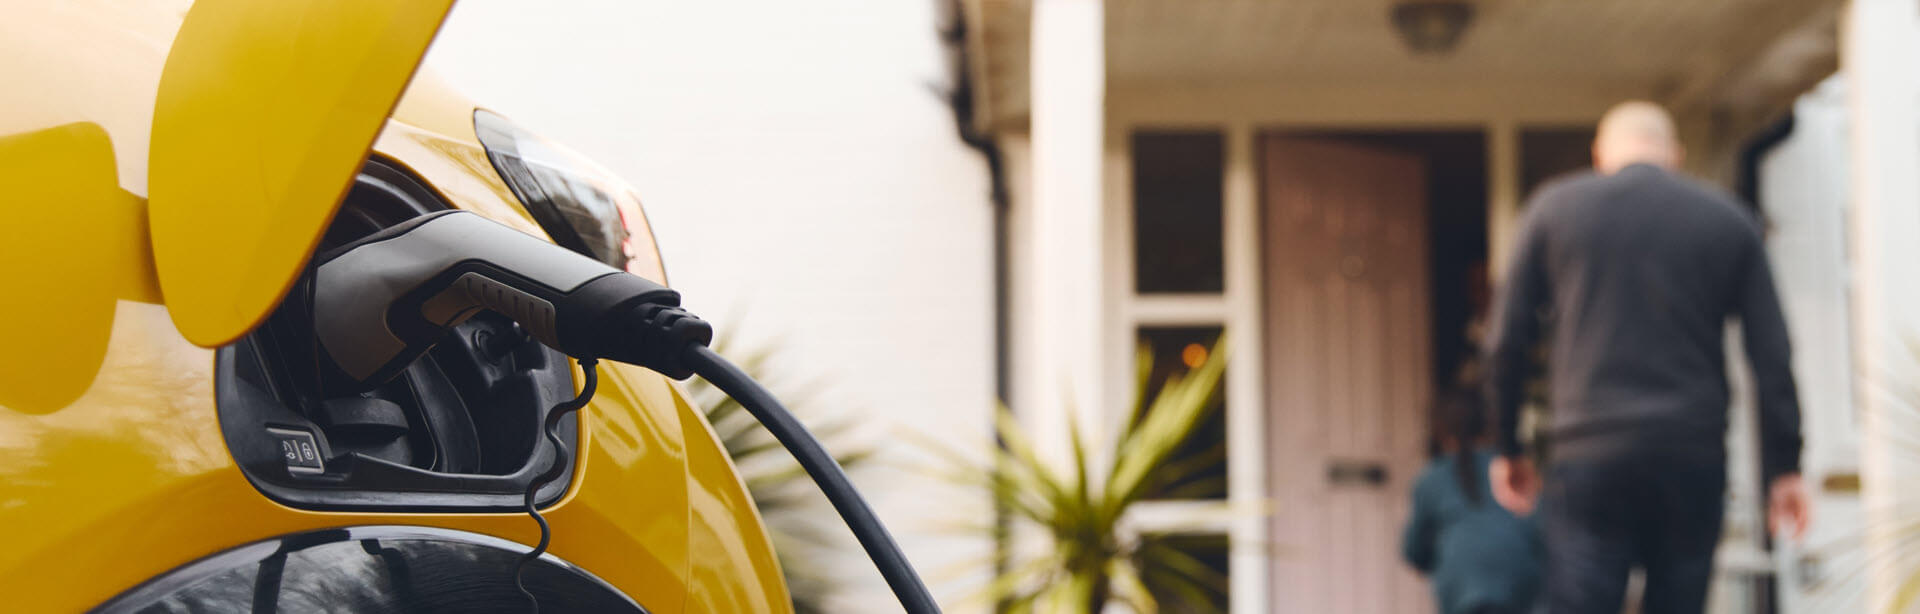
(1197, 469)
(1176, 211)
(1167, 562)
(1546, 153)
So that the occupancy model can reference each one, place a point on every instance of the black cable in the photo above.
(826, 472)
(556, 465)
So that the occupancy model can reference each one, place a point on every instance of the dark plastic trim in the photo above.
(256, 389)
(501, 140)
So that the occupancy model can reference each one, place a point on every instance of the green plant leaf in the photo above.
(1187, 468)
(1081, 481)
(1090, 561)
(1142, 375)
(1129, 589)
(1182, 402)
(1024, 460)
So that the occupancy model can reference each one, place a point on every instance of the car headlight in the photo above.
(581, 206)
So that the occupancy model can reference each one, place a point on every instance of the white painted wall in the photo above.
(1803, 190)
(1878, 41)
(802, 176)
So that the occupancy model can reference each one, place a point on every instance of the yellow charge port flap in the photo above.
(265, 112)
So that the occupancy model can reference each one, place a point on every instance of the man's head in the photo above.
(1636, 131)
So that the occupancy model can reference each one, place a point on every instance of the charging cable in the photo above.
(676, 343)
(826, 472)
(384, 300)
(556, 465)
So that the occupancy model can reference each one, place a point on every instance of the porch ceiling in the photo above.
(1684, 52)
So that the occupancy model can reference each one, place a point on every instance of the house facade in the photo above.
(1290, 175)
(1334, 189)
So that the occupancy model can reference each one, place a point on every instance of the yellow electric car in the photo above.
(169, 171)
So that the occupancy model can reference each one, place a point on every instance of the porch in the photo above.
(1153, 146)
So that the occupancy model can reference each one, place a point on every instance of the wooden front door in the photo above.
(1348, 373)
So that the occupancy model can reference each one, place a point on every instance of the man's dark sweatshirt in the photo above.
(1635, 275)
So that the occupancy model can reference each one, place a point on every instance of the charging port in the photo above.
(457, 429)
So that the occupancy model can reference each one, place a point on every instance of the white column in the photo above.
(1879, 48)
(1503, 194)
(1067, 352)
(1246, 402)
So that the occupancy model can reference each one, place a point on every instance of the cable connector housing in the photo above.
(628, 319)
(660, 336)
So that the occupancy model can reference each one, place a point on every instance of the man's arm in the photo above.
(1515, 331)
(1763, 332)
(1769, 352)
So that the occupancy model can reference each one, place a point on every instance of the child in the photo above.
(1480, 558)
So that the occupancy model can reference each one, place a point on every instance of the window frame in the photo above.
(1236, 309)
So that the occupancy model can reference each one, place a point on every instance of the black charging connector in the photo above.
(382, 301)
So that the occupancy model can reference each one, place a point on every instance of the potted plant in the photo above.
(1092, 558)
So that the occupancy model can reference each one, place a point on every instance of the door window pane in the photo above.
(1197, 469)
(1186, 572)
(1176, 212)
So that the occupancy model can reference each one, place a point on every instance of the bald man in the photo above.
(1636, 270)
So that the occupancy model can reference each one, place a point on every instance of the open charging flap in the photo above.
(265, 113)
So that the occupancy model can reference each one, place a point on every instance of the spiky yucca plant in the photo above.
(1093, 560)
(788, 501)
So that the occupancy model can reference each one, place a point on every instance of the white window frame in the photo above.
(1241, 516)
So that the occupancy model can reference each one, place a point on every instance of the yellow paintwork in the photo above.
(86, 250)
(112, 465)
(726, 536)
(69, 211)
(134, 479)
(264, 112)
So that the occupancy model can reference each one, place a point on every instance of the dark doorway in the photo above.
(1549, 152)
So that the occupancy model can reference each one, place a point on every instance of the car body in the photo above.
(115, 474)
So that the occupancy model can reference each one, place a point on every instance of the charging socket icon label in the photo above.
(300, 451)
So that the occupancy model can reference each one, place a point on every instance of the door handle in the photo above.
(1347, 472)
